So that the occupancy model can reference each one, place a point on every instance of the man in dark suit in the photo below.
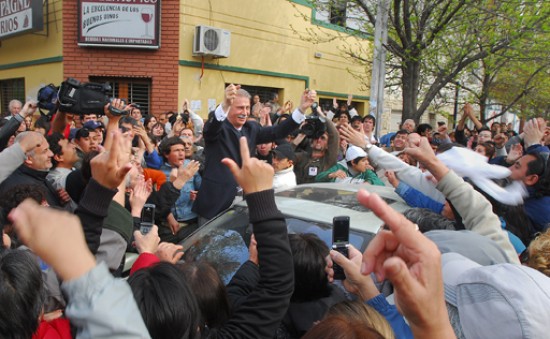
(221, 137)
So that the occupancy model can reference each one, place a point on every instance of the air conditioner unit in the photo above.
(211, 41)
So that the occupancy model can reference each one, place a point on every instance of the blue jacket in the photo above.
(415, 198)
(397, 323)
(182, 207)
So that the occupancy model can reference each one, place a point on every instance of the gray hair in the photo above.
(243, 93)
(13, 102)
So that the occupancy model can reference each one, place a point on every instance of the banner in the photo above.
(20, 16)
(119, 23)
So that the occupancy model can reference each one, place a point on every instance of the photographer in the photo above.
(321, 147)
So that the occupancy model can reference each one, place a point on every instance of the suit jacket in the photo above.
(221, 140)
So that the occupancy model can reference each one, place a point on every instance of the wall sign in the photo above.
(20, 16)
(119, 23)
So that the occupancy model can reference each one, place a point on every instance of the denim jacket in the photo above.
(182, 207)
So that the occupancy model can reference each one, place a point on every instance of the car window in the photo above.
(224, 241)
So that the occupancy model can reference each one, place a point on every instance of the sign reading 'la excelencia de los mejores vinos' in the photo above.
(20, 16)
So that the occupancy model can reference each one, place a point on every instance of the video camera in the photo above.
(313, 128)
(83, 98)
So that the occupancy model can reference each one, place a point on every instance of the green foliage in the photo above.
(434, 44)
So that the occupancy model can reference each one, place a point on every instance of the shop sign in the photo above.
(119, 23)
(20, 16)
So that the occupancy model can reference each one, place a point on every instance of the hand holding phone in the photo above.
(147, 218)
(340, 242)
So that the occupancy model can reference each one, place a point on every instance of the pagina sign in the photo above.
(20, 16)
(119, 23)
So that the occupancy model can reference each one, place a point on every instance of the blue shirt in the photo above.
(182, 207)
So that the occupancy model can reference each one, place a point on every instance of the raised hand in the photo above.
(516, 152)
(184, 173)
(139, 195)
(413, 264)
(352, 136)
(534, 130)
(108, 169)
(254, 175)
(29, 108)
(230, 95)
(308, 98)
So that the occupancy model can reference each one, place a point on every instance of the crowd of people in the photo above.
(469, 259)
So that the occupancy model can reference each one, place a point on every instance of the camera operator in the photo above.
(321, 149)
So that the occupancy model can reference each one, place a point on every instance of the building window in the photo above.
(338, 12)
(265, 93)
(341, 13)
(11, 89)
(131, 90)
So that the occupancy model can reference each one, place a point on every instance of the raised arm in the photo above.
(259, 316)
(475, 210)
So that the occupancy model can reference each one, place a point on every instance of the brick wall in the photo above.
(161, 65)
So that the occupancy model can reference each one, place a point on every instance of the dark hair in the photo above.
(163, 129)
(15, 195)
(206, 284)
(371, 117)
(167, 304)
(21, 294)
(147, 120)
(423, 128)
(354, 161)
(339, 114)
(127, 120)
(310, 280)
(541, 167)
(166, 146)
(42, 122)
(337, 327)
(483, 128)
(53, 140)
(402, 131)
(489, 148)
(428, 220)
(12, 198)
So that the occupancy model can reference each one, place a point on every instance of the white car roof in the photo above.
(323, 201)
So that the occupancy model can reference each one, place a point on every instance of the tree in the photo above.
(431, 43)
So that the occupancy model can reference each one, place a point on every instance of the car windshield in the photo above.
(224, 241)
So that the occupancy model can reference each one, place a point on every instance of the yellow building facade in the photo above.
(267, 50)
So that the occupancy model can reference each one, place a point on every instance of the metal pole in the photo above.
(379, 64)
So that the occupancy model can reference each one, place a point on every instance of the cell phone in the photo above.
(147, 218)
(340, 243)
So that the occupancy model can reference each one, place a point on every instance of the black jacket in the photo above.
(24, 175)
(219, 188)
(260, 313)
